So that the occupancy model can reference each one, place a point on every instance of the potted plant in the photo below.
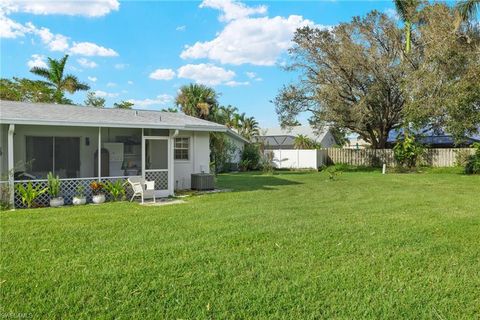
(97, 190)
(54, 191)
(79, 197)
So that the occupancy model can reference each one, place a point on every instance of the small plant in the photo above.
(80, 191)
(29, 193)
(116, 189)
(333, 173)
(267, 163)
(97, 187)
(407, 152)
(53, 185)
(473, 163)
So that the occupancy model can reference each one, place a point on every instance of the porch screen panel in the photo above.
(67, 157)
(156, 152)
(39, 155)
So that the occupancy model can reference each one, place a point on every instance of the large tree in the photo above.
(55, 76)
(196, 100)
(444, 88)
(352, 78)
(92, 100)
(22, 89)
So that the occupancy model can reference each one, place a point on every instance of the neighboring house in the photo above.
(281, 139)
(83, 144)
(433, 139)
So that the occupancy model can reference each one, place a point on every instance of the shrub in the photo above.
(80, 191)
(407, 152)
(53, 185)
(116, 189)
(251, 152)
(473, 162)
(29, 193)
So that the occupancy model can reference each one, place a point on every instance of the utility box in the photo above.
(203, 181)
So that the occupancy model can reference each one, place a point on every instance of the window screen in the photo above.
(60, 155)
(181, 150)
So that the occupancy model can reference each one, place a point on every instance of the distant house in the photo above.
(282, 139)
(434, 139)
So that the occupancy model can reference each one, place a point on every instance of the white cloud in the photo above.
(103, 94)
(91, 49)
(130, 82)
(251, 75)
(162, 74)
(9, 28)
(236, 83)
(247, 39)
(257, 41)
(90, 8)
(205, 73)
(93, 79)
(181, 28)
(162, 99)
(232, 9)
(392, 13)
(37, 60)
(86, 63)
(120, 66)
(55, 42)
(111, 84)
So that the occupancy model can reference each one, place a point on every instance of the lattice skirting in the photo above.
(68, 189)
(160, 178)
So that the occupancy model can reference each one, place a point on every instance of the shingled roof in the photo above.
(12, 112)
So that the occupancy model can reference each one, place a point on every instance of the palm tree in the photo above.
(467, 9)
(196, 100)
(406, 9)
(303, 142)
(56, 78)
(250, 128)
(238, 120)
(228, 115)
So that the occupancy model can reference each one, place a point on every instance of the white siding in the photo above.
(199, 159)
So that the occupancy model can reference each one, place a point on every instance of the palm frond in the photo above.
(467, 9)
(42, 72)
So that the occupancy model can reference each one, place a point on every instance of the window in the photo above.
(61, 155)
(182, 146)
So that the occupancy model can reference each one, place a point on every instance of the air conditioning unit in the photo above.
(203, 181)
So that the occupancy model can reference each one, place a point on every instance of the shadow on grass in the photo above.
(254, 181)
(348, 168)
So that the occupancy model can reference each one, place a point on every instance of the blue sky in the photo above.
(145, 50)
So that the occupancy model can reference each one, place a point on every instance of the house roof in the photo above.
(12, 112)
(295, 131)
(237, 136)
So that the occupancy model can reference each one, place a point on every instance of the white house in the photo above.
(278, 138)
(83, 144)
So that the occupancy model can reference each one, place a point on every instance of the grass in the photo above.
(291, 245)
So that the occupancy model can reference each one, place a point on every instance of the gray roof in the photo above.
(12, 112)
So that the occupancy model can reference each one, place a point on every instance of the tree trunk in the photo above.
(408, 34)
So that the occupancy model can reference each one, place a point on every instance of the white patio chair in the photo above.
(141, 188)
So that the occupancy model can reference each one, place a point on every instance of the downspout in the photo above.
(99, 158)
(11, 164)
(171, 173)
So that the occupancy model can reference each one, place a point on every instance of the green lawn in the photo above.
(291, 245)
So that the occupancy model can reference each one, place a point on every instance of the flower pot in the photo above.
(78, 201)
(99, 198)
(56, 202)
